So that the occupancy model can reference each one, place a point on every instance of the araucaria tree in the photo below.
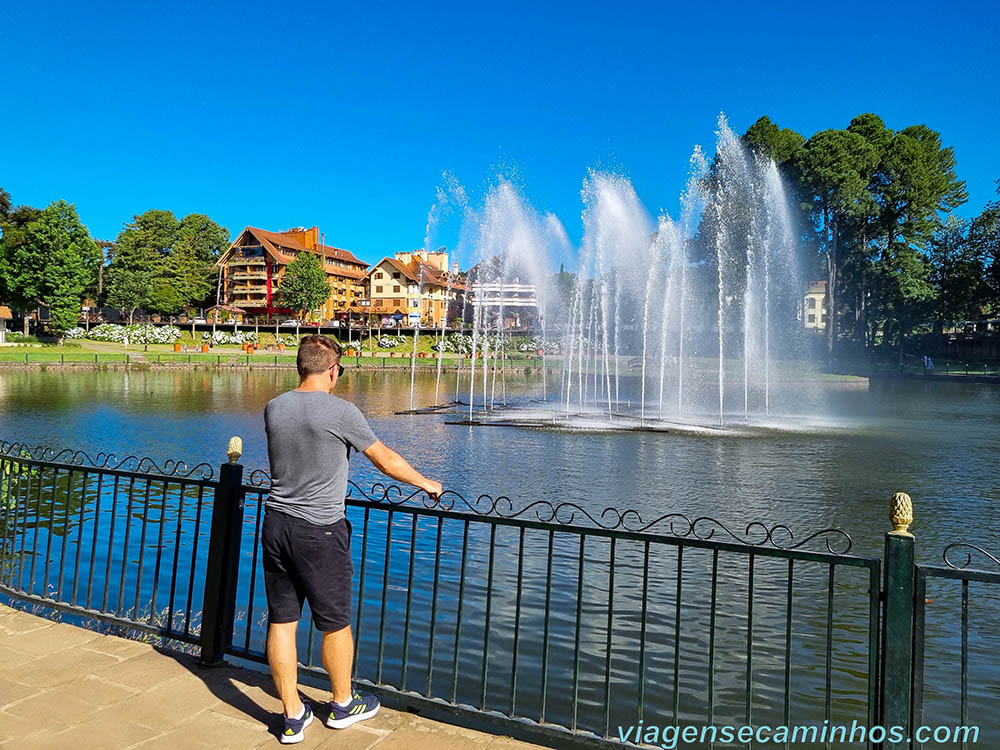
(834, 168)
(304, 286)
(877, 201)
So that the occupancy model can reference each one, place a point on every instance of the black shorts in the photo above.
(307, 562)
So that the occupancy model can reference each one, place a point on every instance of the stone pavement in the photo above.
(66, 687)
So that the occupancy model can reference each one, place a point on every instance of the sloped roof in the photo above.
(398, 265)
(423, 273)
(5, 313)
(817, 287)
(274, 243)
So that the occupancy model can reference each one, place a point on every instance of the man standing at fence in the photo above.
(306, 535)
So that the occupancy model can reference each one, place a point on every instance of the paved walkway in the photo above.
(66, 687)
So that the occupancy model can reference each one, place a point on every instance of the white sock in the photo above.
(302, 712)
(346, 703)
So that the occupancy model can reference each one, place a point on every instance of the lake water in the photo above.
(936, 441)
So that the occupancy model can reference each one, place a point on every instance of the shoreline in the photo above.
(396, 366)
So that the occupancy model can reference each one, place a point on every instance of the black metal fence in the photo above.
(940, 581)
(550, 622)
(118, 540)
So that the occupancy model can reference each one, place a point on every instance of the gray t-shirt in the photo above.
(310, 435)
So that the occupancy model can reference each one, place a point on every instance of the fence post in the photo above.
(219, 604)
(897, 630)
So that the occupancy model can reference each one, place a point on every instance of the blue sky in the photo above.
(344, 116)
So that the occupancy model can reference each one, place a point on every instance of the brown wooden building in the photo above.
(252, 268)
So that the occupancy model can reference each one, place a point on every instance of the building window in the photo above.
(380, 275)
(396, 275)
(812, 318)
(414, 303)
(378, 290)
(396, 289)
(812, 303)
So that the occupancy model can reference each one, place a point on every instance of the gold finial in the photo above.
(901, 514)
(235, 449)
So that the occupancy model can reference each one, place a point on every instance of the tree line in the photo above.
(877, 223)
(157, 262)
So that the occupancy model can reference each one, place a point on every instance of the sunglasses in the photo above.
(340, 370)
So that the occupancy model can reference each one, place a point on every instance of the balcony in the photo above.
(245, 275)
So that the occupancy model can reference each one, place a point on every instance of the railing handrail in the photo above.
(702, 531)
(144, 466)
(552, 517)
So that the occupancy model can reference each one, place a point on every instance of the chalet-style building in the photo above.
(415, 287)
(253, 265)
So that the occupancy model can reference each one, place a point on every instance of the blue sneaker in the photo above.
(294, 730)
(360, 708)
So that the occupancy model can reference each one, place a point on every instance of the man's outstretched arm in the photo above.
(394, 465)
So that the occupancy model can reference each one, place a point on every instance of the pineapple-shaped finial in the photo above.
(235, 449)
(901, 514)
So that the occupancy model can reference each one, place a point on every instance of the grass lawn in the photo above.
(102, 352)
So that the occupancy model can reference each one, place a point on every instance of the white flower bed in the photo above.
(237, 338)
(75, 333)
(137, 333)
(537, 344)
(454, 342)
(388, 342)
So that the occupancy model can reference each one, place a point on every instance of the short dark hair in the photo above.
(317, 354)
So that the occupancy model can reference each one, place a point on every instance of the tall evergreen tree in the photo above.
(200, 243)
(958, 274)
(780, 144)
(834, 169)
(916, 187)
(984, 236)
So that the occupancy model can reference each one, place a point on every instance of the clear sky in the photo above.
(343, 116)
